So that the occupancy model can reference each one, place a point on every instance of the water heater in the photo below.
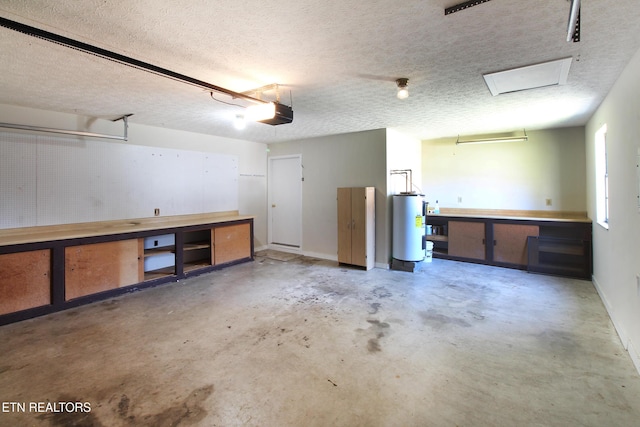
(408, 227)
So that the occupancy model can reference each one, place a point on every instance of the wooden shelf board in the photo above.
(196, 265)
(161, 272)
(437, 238)
(195, 246)
(560, 249)
(159, 251)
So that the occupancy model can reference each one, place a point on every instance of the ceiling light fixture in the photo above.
(259, 112)
(494, 140)
(272, 113)
(239, 122)
(403, 92)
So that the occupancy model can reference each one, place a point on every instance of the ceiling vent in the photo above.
(529, 77)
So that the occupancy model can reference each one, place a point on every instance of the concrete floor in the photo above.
(305, 342)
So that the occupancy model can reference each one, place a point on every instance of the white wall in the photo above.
(403, 153)
(252, 166)
(616, 250)
(251, 157)
(516, 175)
(347, 160)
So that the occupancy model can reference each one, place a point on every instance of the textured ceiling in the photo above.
(337, 61)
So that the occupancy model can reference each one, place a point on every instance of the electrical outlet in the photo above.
(459, 199)
(156, 212)
(548, 202)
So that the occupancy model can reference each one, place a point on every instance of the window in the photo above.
(602, 178)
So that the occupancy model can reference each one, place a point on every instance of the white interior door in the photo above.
(285, 201)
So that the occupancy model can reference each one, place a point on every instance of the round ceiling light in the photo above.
(403, 92)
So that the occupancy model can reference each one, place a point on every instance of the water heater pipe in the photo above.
(408, 178)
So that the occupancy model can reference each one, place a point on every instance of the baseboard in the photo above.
(320, 256)
(261, 248)
(622, 334)
(635, 357)
(335, 258)
(285, 248)
(315, 254)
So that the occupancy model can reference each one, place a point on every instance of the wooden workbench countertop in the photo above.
(562, 216)
(47, 233)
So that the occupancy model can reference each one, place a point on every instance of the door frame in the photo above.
(270, 243)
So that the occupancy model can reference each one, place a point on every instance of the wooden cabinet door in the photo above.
(231, 243)
(98, 267)
(370, 227)
(510, 242)
(359, 226)
(466, 239)
(344, 225)
(25, 280)
(356, 226)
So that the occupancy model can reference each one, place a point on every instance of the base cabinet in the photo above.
(231, 243)
(467, 239)
(560, 247)
(560, 256)
(25, 280)
(356, 226)
(44, 276)
(510, 242)
(99, 267)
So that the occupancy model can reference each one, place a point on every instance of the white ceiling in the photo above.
(338, 58)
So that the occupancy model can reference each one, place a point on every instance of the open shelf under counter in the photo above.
(559, 256)
(197, 250)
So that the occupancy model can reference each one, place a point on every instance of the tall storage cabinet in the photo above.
(356, 226)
